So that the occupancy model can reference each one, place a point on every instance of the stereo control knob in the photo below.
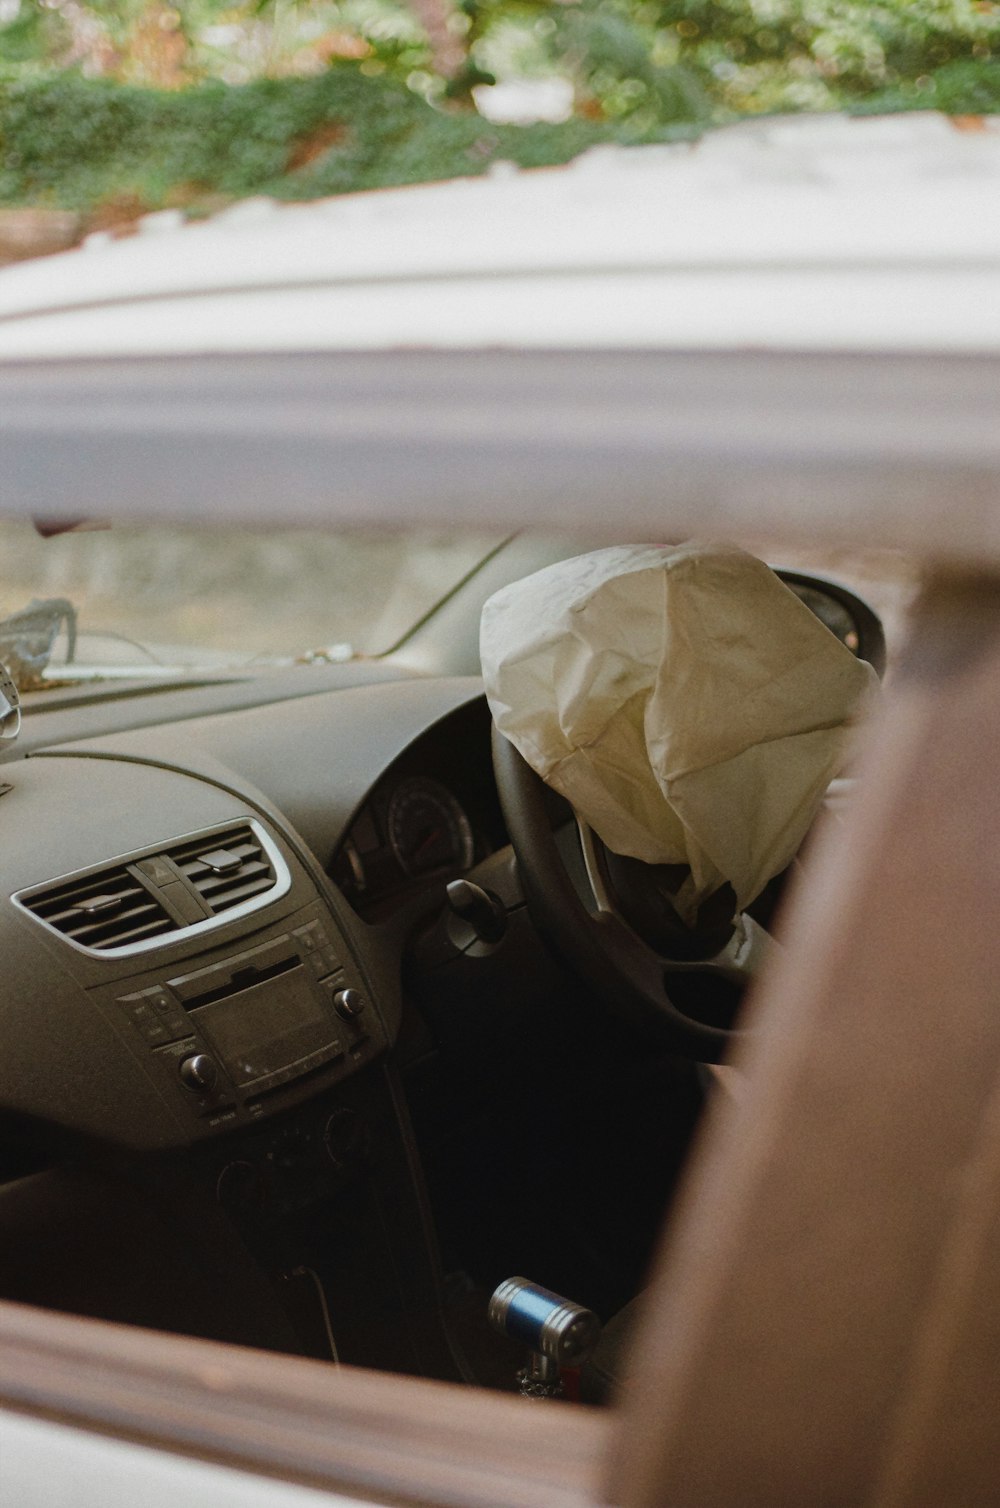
(348, 1004)
(199, 1073)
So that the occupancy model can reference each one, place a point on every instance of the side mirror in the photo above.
(844, 613)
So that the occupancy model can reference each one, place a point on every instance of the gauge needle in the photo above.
(426, 842)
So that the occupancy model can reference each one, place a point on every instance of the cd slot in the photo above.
(242, 979)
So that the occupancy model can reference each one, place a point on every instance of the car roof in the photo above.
(817, 233)
(791, 330)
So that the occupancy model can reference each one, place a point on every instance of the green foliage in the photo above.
(790, 54)
(74, 142)
(706, 60)
(960, 88)
(23, 39)
(641, 70)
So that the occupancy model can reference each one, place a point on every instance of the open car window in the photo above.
(305, 1054)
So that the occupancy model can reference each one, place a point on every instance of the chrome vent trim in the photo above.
(84, 908)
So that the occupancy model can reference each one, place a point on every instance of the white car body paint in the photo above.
(83, 1470)
(818, 234)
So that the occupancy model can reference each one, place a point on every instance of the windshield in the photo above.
(214, 598)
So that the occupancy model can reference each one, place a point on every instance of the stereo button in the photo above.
(171, 1016)
(145, 1019)
(312, 935)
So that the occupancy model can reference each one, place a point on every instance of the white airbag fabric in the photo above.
(684, 700)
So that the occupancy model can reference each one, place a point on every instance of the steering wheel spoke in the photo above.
(684, 1003)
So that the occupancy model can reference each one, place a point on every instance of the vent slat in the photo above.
(88, 928)
(243, 844)
(68, 916)
(55, 906)
(237, 893)
(120, 939)
(207, 881)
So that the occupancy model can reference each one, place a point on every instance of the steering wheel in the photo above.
(637, 975)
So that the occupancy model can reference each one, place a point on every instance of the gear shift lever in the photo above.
(558, 1333)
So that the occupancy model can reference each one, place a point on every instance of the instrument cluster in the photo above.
(431, 816)
(414, 830)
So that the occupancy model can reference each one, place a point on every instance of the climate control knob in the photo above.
(199, 1073)
(348, 1004)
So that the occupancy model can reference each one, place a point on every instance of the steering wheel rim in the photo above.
(625, 972)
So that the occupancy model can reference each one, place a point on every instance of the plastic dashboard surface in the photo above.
(111, 1046)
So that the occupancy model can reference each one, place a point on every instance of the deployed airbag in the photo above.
(684, 700)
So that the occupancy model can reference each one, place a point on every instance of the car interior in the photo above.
(312, 1036)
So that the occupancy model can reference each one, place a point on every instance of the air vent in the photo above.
(156, 896)
(227, 869)
(111, 909)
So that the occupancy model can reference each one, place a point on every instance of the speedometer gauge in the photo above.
(427, 828)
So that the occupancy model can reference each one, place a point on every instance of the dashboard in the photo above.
(205, 962)
(209, 905)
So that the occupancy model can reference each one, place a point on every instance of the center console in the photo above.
(256, 1028)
